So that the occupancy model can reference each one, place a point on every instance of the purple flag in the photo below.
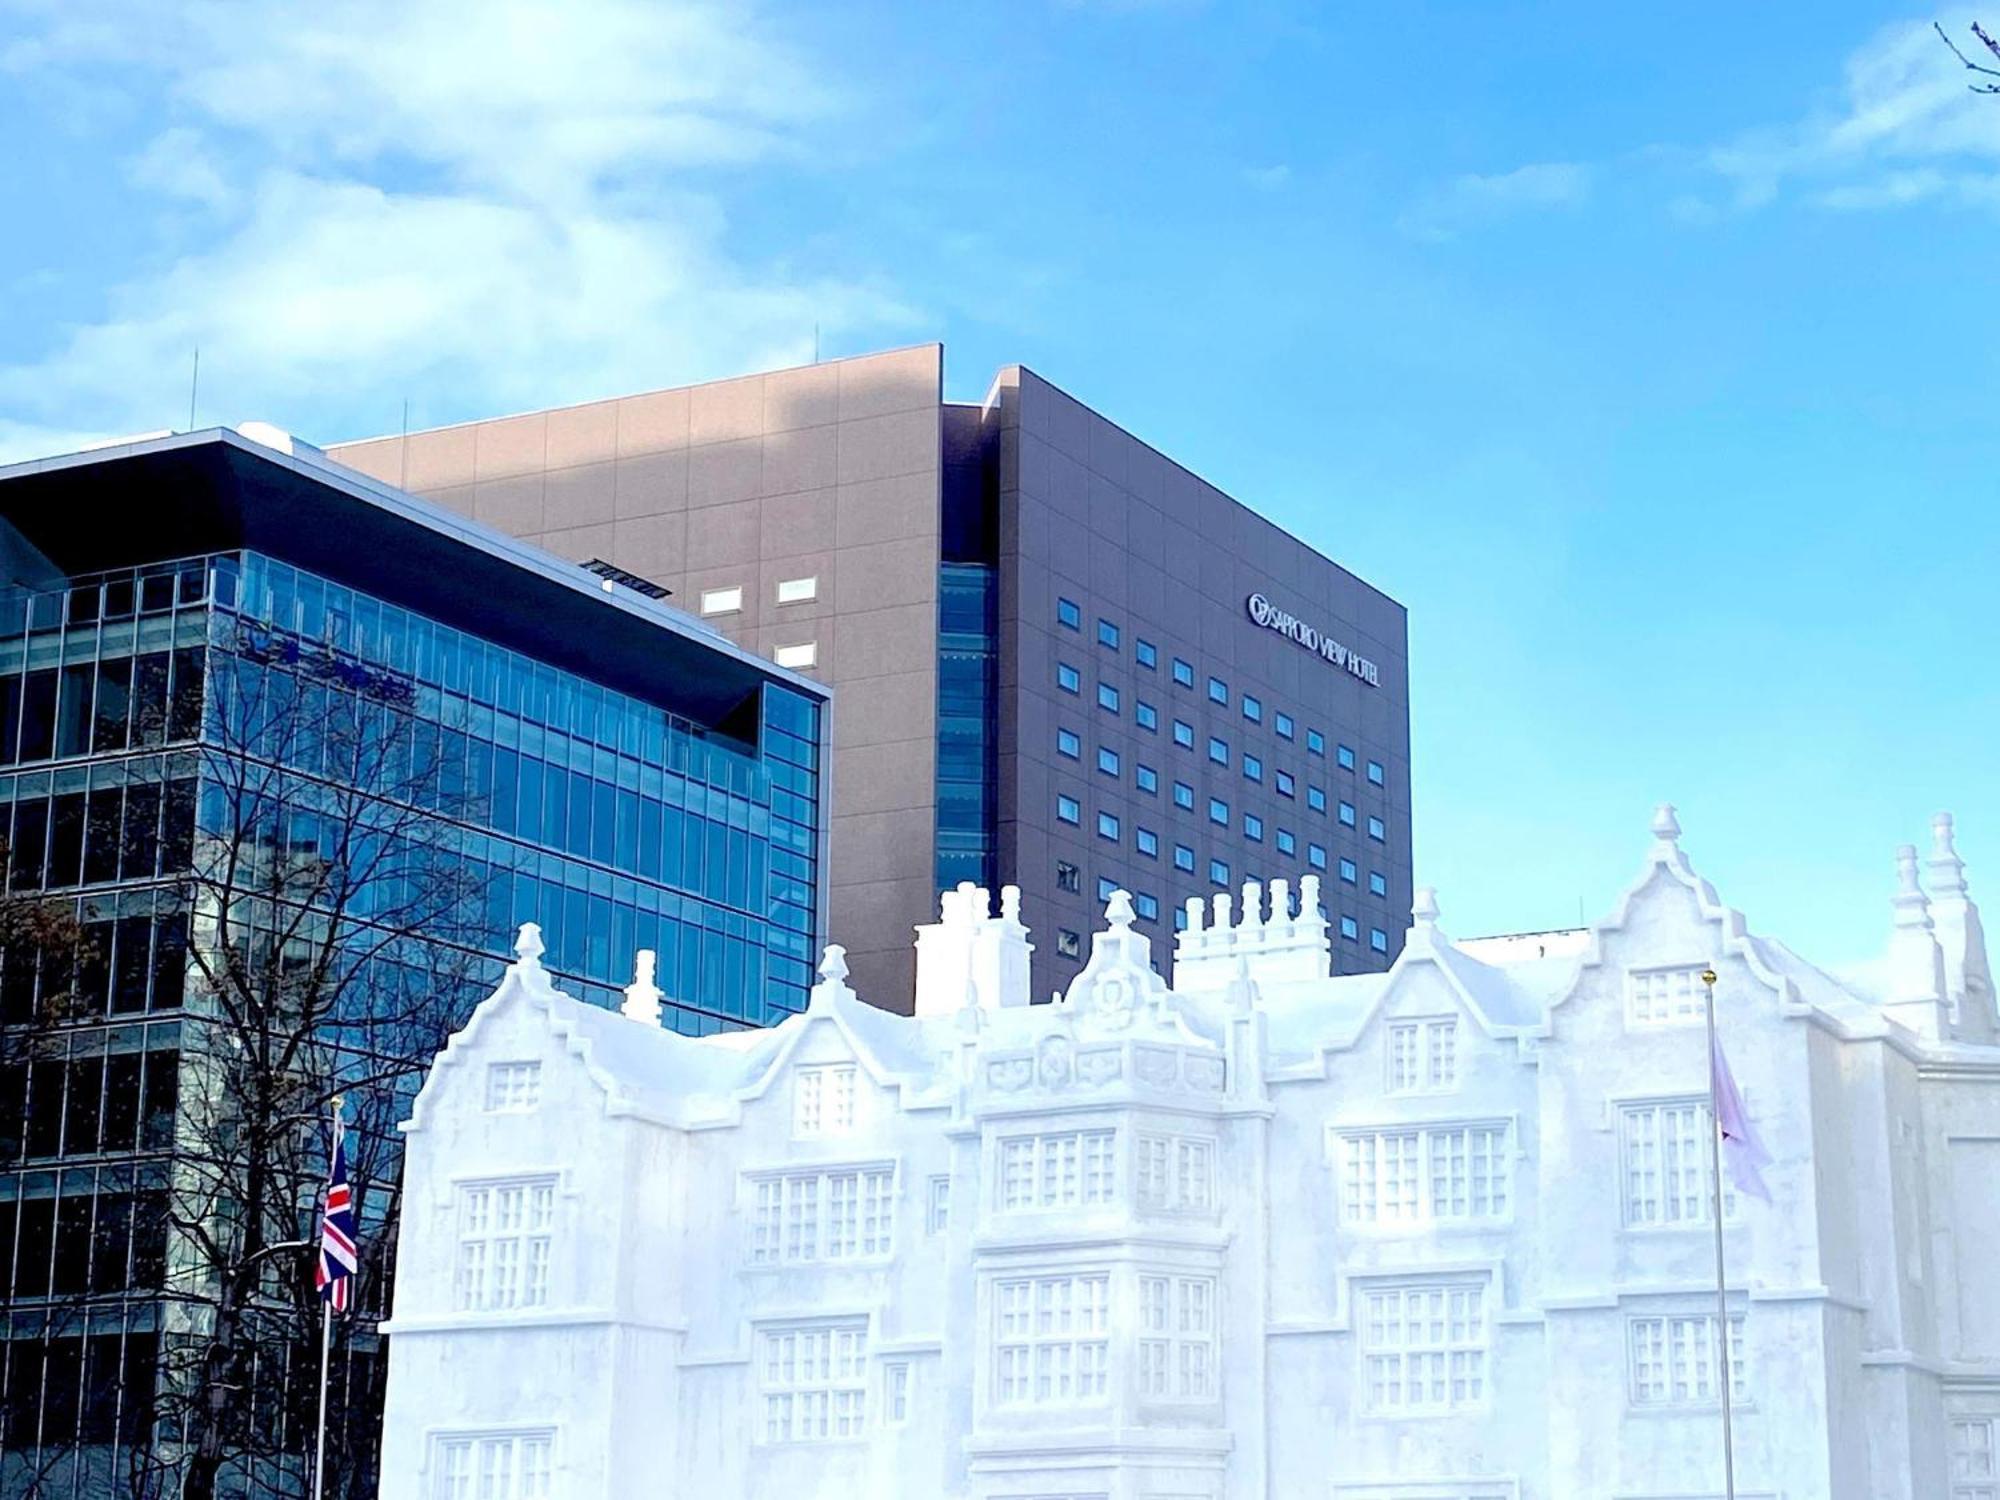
(1741, 1148)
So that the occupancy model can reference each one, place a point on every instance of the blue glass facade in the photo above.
(968, 682)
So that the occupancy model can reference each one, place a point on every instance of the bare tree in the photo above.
(1987, 79)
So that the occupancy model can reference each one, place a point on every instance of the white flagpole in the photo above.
(325, 1332)
(1715, 1208)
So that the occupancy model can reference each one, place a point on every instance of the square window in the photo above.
(1105, 887)
(797, 590)
(1147, 715)
(1146, 652)
(1183, 734)
(1107, 826)
(1375, 771)
(1148, 907)
(1315, 742)
(1218, 751)
(1253, 709)
(1147, 778)
(1068, 944)
(1107, 634)
(1183, 673)
(1107, 697)
(1347, 870)
(1107, 761)
(1183, 796)
(1253, 828)
(1345, 755)
(1218, 811)
(1378, 883)
(1282, 722)
(1218, 691)
(1285, 785)
(1068, 615)
(1069, 743)
(1287, 842)
(1350, 929)
(1376, 831)
(1068, 678)
(1183, 858)
(1148, 842)
(1218, 872)
(1378, 940)
(1316, 856)
(1253, 768)
(722, 601)
(1068, 876)
(513, 1087)
(805, 654)
(1316, 798)
(1068, 809)
(1347, 814)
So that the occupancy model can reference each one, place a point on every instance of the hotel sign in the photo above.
(1317, 641)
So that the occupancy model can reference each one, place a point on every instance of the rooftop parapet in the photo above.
(1278, 943)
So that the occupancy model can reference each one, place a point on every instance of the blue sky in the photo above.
(1652, 365)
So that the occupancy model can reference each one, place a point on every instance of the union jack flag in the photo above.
(337, 1255)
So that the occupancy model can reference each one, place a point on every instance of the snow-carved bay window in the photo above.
(1459, 1172)
(813, 1380)
(492, 1465)
(1424, 1345)
(505, 1231)
(1423, 1056)
(823, 1100)
(1173, 1173)
(837, 1213)
(1051, 1339)
(1057, 1169)
(1177, 1338)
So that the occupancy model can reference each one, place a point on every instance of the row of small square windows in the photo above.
(1069, 745)
(1147, 842)
(1069, 944)
(1069, 615)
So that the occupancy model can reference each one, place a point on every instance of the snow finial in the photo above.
(1010, 903)
(833, 964)
(1309, 897)
(642, 996)
(1947, 869)
(528, 945)
(1118, 910)
(1425, 909)
(1666, 827)
(1912, 906)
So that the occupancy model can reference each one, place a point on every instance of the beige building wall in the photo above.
(830, 473)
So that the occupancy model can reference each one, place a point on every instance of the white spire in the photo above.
(642, 996)
(1425, 909)
(1947, 870)
(1666, 831)
(528, 947)
(1912, 907)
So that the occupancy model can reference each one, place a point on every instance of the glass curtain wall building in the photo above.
(576, 755)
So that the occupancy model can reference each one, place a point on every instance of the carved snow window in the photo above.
(492, 1466)
(1051, 1339)
(813, 1380)
(1423, 1056)
(1975, 1458)
(1174, 1173)
(1441, 1173)
(1177, 1351)
(1673, 1360)
(1663, 1153)
(1665, 997)
(1062, 1169)
(896, 1392)
(937, 1208)
(800, 1217)
(505, 1231)
(513, 1088)
(1423, 1346)
(823, 1100)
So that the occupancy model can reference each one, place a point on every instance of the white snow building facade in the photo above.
(1436, 1234)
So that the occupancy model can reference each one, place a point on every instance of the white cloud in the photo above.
(1905, 129)
(1481, 199)
(513, 203)
(1268, 179)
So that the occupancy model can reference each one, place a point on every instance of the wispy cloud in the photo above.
(1905, 129)
(519, 203)
(1473, 200)
(1268, 179)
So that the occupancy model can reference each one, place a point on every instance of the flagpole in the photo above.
(325, 1347)
(1715, 1207)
